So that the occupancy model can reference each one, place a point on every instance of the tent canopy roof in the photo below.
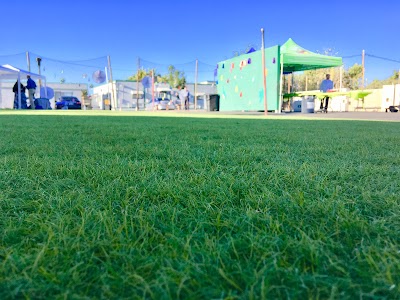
(6, 73)
(10, 72)
(296, 58)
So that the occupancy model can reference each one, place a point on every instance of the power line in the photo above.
(163, 64)
(176, 64)
(76, 63)
(71, 61)
(22, 53)
(351, 56)
(383, 58)
(125, 70)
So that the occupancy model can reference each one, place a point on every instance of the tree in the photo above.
(352, 77)
(311, 79)
(143, 73)
(174, 77)
(314, 79)
(377, 84)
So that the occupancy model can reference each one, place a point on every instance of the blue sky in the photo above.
(176, 32)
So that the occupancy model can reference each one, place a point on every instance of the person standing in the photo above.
(187, 99)
(31, 87)
(16, 97)
(183, 95)
(177, 102)
(326, 85)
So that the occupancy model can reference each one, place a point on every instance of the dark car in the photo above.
(68, 102)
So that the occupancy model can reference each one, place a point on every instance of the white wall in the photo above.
(6, 95)
(390, 95)
(125, 92)
(338, 103)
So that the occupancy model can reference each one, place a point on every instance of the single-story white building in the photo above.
(127, 91)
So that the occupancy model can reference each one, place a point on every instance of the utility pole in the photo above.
(137, 85)
(195, 83)
(114, 100)
(152, 87)
(363, 68)
(264, 75)
(28, 61)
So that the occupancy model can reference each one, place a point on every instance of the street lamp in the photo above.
(39, 61)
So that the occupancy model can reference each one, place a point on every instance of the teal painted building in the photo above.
(240, 81)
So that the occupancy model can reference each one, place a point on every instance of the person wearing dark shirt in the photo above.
(31, 87)
(23, 96)
(326, 86)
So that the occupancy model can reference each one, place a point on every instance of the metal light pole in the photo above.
(39, 62)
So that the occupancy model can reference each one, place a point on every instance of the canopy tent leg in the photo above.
(19, 91)
(280, 87)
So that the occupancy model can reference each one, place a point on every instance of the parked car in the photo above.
(68, 102)
(162, 101)
(160, 104)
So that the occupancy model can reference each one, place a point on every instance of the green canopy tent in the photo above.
(295, 58)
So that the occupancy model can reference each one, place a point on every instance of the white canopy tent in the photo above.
(10, 72)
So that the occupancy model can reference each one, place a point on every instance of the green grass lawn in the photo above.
(100, 207)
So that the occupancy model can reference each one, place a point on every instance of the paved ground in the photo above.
(369, 116)
(378, 116)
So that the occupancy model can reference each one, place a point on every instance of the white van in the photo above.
(163, 98)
